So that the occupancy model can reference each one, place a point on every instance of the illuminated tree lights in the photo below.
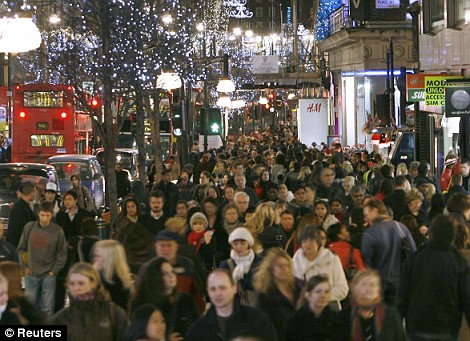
(143, 42)
(322, 25)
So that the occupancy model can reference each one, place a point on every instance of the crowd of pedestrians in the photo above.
(264, 240)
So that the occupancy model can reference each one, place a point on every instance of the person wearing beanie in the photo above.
(208, 242)
(242, 263)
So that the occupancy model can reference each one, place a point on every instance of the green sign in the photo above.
(416, 95)
(434, 87)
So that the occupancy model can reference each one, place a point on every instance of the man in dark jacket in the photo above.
(227, 318)
(396, 201)
(170, 190)
(381, 247)
(240, 182)
(328, 188)
(456, 186)
(154, 221)
(21, 214)
(123, 184)
(435, 286)
(70, 220)
(185, 187)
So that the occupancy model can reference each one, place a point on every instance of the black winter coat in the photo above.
(243, 319)
(20, 215)
(305, 326)
(435, 290)
(278, 308)
(93, 320)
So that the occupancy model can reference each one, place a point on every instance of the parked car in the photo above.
(87, 167)
(13, 175)
(127, 156)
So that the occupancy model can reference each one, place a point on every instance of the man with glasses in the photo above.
(299, 205)
(357, 194)
(328, 189)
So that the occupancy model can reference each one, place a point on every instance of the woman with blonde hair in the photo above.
(278, 291)
(265, 229)
(348, 167)
(369, 318)
(91, 315)
(109, 259)
(402, 169)
(414, 200)
(304, 174)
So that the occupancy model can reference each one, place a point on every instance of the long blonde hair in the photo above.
(264, 213)
(114, 262)
(263, 279)
(87, 270)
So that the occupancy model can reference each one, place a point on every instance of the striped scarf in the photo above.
(357, 333)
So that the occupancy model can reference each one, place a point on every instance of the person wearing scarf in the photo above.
(91, 315)
(242, 263)
(313, 259)
(369, 318)
(199, 233)
(209, 243)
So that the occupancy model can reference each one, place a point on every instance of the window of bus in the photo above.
(66, 169)
(43, 140)
(43, 99)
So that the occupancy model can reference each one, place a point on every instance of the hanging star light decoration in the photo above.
(239, 9)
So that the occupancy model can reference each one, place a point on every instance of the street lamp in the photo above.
(224, 101)
(18, 34)
(225, 84)
(169, 81)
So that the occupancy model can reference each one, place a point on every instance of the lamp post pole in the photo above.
(205, 112)
(9, 96)
(206, 105)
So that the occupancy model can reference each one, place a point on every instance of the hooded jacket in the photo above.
(326, 263)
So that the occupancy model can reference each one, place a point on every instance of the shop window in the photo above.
(458, 13)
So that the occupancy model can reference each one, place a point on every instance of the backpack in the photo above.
(247, 297)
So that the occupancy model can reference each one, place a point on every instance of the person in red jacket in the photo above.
(350, 257)
(446, 176)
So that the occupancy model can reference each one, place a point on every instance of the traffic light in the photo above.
(95, 104)
(214, 121)
(279, 102)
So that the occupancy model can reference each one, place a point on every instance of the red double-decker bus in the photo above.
(43, 122)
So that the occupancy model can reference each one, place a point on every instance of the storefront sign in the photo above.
(384, 4)
(415, 87)
(434, 87)
(312, 118)
(457, 100)
(265, 64)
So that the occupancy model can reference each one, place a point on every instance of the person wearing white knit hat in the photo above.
(242, 263)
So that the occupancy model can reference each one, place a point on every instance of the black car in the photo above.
(13, 175)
